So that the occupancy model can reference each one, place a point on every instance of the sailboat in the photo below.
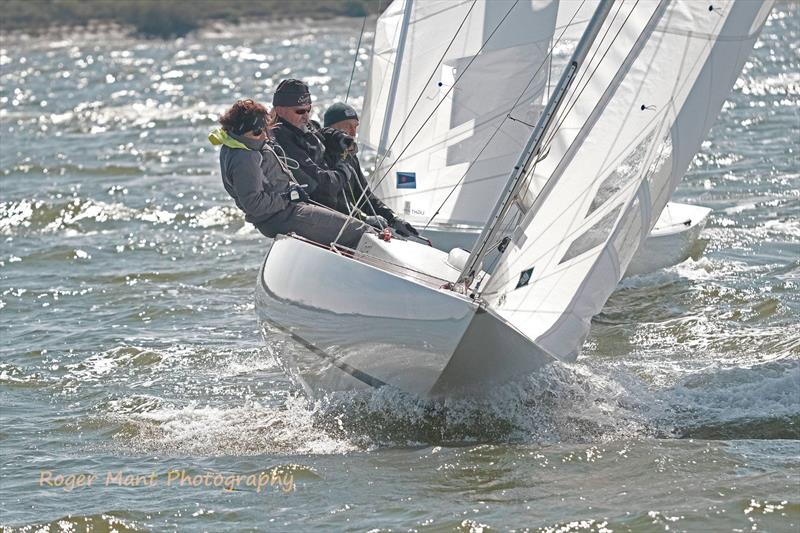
(475, 131)
(596, 167)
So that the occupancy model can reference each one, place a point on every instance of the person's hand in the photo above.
(337, 141)
(296, 193)
(346, 142)
(403, 228)
(377, 221)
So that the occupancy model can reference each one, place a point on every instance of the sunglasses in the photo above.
(256, 127)
(302, 111)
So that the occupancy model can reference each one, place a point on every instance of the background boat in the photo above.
(458, 157)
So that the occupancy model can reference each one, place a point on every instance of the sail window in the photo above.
(629, 234)
(626, 172)
(660, 186)
(595, 236)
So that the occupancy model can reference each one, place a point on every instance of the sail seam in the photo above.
(592, 117)
(466, 68)
(547, 58)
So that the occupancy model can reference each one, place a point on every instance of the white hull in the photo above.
(350, 325)
(673, 239)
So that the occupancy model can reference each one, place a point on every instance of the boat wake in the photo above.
(562, 404)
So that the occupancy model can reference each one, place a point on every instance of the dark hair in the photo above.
(245, 116)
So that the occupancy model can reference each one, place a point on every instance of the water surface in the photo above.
(130, 341)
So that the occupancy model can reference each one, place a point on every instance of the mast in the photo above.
(398, 59)
(533, 147)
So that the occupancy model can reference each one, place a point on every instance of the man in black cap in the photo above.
(298, 138)
(341, 126)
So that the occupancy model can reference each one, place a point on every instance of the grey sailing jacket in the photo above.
(253, 175)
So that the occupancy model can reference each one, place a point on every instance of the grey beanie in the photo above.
(337, 113)
(291, 93)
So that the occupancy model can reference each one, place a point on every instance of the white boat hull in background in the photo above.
(674, 238)
(340, 324)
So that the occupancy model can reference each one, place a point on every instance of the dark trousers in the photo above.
(315, 223)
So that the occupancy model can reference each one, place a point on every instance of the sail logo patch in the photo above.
(524, 278)
(406, 180)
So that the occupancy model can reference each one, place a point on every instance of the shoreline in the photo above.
(179, 18)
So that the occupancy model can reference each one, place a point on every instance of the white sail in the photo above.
(381, 71)
(634, 118)
(443, 113)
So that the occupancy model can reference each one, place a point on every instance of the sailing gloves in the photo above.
(377, 222)
(296, 193)
(338, 141)
(403, 228)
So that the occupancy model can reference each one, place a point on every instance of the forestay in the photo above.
(640, 106)
(467, 87)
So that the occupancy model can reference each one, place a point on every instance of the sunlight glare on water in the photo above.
(126, 307)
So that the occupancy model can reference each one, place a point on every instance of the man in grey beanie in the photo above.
(340, 127)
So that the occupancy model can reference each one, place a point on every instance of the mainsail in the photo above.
(640, 106)
(444, 78)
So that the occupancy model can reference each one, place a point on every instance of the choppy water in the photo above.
(130, 343)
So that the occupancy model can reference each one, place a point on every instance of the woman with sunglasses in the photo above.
(264, 188)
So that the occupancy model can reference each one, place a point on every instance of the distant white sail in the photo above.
(381, 72)
(634, 118)
(430, 158)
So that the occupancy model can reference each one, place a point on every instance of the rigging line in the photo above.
(355, 58)
(656, 119)
(449, 90)
(577, 88)
(367, 201)
(497, 130)
(460, 136)
(371, 84)
(425, 86)
(450, 7)
(509, 265)
(433, 72)
(574, 101)
(572, 98)
(561, 118)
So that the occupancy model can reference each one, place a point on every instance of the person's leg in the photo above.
(317, 224)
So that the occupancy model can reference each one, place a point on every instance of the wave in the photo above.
(757, 402)
(84, 215)
(562, 404)
(111, 521)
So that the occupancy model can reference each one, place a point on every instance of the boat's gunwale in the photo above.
(439, 289)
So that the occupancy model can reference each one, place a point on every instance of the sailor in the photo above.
(262, 186)
(340, 123)
(296, 135)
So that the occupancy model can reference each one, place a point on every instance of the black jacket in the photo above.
(253, 175)
(356, 184)
(324, 183)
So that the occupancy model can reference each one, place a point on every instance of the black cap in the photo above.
(337, 113)
(291, 93)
